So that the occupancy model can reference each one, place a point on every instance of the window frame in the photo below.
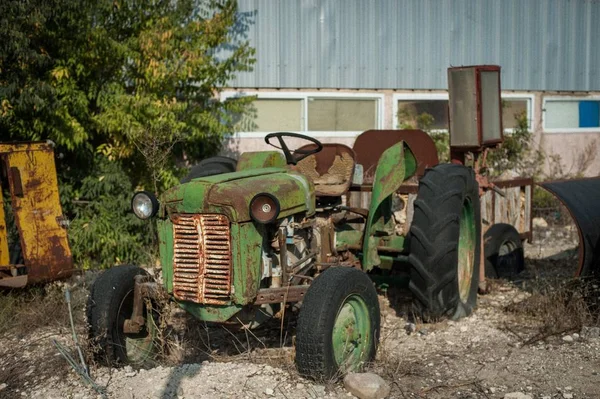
(304, 96)
(567, 129)
(530, 98)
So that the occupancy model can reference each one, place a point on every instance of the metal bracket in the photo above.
(144, 288)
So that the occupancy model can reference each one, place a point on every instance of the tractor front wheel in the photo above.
(338, 325)
(110, 303)
(445, 243)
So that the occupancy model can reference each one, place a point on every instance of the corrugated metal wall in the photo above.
(408, 44)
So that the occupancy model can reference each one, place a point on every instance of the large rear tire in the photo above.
(445, 243)
(109, 304)
(338, 325)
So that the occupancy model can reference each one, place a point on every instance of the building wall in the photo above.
(576, 147)
(400, 49)
(408, 44)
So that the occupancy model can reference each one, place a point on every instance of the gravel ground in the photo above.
(525, 340)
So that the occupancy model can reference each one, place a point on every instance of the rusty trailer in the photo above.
(41, 253)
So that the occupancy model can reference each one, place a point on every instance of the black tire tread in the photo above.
(314, 352)
(211, 166)
(493, 239)
(433, 240)
(102, 308)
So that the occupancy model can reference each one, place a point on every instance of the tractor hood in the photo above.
(231, 193)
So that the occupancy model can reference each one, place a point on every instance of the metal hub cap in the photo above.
(466, 250)
(139, 347)
(351, 333)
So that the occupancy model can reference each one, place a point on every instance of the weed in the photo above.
(558, 307)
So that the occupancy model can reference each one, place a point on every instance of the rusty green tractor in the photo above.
(281, 230)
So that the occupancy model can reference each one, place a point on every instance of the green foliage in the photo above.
(442, 145)
(104, 231)
(544, 199)
(517, 152)
(409, 120)
(125, 84)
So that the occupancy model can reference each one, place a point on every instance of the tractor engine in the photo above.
(289, 247)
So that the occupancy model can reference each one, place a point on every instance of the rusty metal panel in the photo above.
(38, 214)
(202, 259)
(582, 199)
(4, 256)
(371, 144)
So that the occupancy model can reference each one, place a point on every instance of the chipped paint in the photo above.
(38, 214)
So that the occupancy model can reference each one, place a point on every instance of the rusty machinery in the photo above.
(282, 229)
(41, 253)
(581, 197)
(506, 212)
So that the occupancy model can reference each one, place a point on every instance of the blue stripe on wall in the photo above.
(589, 113)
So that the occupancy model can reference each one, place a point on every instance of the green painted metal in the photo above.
(141, 349)
(351, 334)
(246, 248)
(396, 164)
(261, 159)
(393, 242)
(165, 247)
(466, 250)
(345, 236)
(384, 281)
(210, 313)
(230, 194)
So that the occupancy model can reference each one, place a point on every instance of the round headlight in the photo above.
(264, 208)
(144, 204)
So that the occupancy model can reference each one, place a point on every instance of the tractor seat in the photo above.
(330, 170)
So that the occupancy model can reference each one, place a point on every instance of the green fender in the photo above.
(395, 165)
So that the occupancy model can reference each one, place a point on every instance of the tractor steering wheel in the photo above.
(293, 157)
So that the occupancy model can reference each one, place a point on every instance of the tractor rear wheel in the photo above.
(338, 325)
(445, 243)
(110, 303)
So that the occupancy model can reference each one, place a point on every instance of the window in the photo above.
(571, 114)
(423, 114)
(512, 110)
(267, 115)
(329, 114)
(430, 111)
(313, 112)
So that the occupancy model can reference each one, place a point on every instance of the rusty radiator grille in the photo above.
(201, 258)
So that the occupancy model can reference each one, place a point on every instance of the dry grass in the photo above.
(26, 310)
(29, 318)
(188, 340)
(557, 307)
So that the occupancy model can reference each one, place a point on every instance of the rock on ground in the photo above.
(517, 395)
(366, 385)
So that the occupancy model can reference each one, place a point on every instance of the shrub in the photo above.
(104, 231)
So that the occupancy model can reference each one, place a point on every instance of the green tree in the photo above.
(129, 82)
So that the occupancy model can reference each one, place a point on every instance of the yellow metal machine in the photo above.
(42, 252)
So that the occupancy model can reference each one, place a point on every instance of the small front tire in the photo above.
(338, 325)
(109, 304)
